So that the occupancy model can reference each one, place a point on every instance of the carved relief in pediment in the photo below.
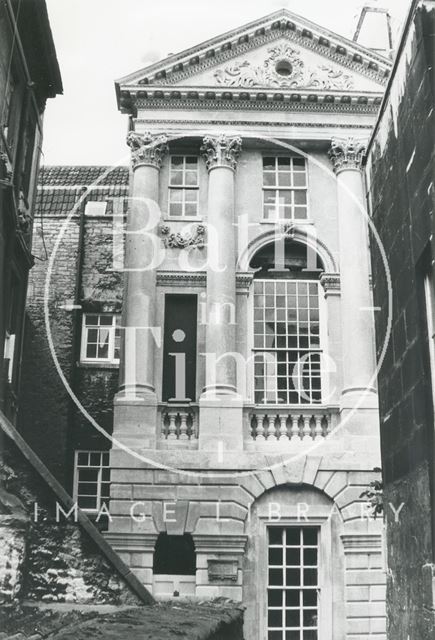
(283, 68)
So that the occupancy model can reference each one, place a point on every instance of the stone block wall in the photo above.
(400, 172)
(44, 557)
(81, 280)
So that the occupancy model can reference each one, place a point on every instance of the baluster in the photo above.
(283, 427)
(307, 428)
(164, 430)
(318, 431)
(271, 430)
(183, 426)
(295, 428)
(193, 428)
(260, 427)
(172, 434)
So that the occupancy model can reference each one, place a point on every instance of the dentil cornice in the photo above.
(147, 148)
(347, 153)
(221, 151)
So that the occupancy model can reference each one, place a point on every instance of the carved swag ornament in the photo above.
(283, 68)
(195, 238)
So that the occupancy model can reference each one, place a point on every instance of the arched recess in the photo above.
(174, 555)
(290, 528)
(288, 321)
(302, 235)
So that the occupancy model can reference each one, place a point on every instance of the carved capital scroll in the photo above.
(347, 153)
(147, 149)
(221, 151)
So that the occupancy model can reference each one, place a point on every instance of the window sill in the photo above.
(182, 219)
(286, 221)
(97, 365)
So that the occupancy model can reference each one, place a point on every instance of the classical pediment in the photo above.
(279, 53)
(283, 65)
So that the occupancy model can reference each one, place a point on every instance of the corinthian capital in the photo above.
(147, 148)
(347, 153)
(221, 151)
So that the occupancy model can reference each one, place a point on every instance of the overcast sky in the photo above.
(99, 41)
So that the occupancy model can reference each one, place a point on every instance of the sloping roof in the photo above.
(7, 430)
(82, 176)
(61, 187)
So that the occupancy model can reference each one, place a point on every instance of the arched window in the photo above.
(287, 325)
(174, 555)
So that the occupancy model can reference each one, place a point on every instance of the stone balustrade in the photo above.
(179, 423)
(279, 425)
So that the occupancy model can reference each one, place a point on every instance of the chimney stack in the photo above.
(373, 30)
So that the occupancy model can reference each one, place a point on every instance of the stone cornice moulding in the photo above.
(182, 278)
(247, 123)
(229, 545)
(266, 101)
(221, 151)
(147, 149)
(347, 154)
(131, 542)
(362, 543)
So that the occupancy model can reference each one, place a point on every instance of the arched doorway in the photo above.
(294, 566)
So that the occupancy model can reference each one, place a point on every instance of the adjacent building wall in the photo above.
(400, 175)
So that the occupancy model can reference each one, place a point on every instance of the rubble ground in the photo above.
(214, 620)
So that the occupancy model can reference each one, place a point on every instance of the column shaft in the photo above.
(358, 334)
(221, 283)
(135, 411)
(221, 409)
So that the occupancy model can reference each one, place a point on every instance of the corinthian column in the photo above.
(136, 403)
(221, 154)
(356, 300)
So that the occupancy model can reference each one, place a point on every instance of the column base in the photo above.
(135, 419)
(220, 423)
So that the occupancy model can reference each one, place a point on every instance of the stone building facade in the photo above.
(238, 311)
(400, 174)
(29, 74)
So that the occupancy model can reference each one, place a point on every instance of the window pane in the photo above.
(177, 161)
(292, 618)
(191, 178)
(275, 536)
(269, 164)
(276, 577)
(191, 210)
(191, 163)
(284, 179)
(274, 598)
(299, 180)
(292, 598)
(87, 503)
(269, 179)
(91, 319)
(176, 178)
(284, 163)
(175, 209)
(299, 164)
(300, 197)
(91, 351)
(176, 195)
